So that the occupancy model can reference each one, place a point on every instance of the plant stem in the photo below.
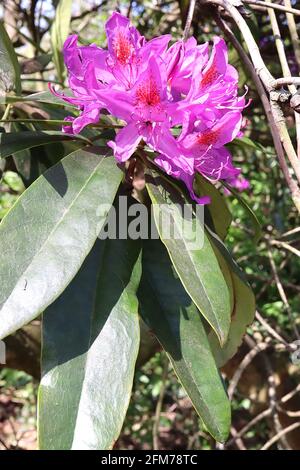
(6, 113)
(279, 435)
(292, 184)
(293, 30)
(263, 4)
(159, 404)
(288, 80)
(257, 60)
(189, 19)
(60, 122)
(282, 293)
(295, 162)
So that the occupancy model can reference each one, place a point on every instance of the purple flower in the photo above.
(238, 182)
(156, 90)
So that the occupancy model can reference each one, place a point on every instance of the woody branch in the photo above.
(271, 90)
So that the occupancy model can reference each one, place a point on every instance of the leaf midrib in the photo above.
(194, 268)
(89, 343)
(187, 368)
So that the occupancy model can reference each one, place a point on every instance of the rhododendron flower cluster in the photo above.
(155, 90)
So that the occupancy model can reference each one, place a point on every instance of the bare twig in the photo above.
(237, 439)
(271, 391)
(292, 184)
(268, 281)
(290, 232)
(94, 9)
(189, 19)
(282, 293)
(286, 246)
(159, 404)
(287, 143)
(290, 395)
(129, 9)
(289, 413)
(288, 80)
(257, 60)
(3, 444)
(269, 82)
(243, 365)
(264, 414)
(279, 435)
(275, 6)
(274, 333)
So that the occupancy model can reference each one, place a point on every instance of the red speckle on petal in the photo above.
(208, 137)
(209, 76)
(122, 48)
(147, 93)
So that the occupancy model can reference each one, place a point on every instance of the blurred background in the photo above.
(263, 377)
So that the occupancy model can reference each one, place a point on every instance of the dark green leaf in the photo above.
(90, 345)
(42, 96)
(35, 64)
(175, 320)
(13, 142)
(197, 268)
(218, 209)
(31, 163)
(9, 66)
(59, 33)
(47, 234)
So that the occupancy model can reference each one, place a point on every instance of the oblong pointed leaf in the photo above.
(14, 142)
(9, 65)
(220, 215)
(59, 33)
(198, 269)
(41, 96)
(47, 234)
(90, 345)
(175, 320)
(32, 162)
(243, 307)
(242, 316)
